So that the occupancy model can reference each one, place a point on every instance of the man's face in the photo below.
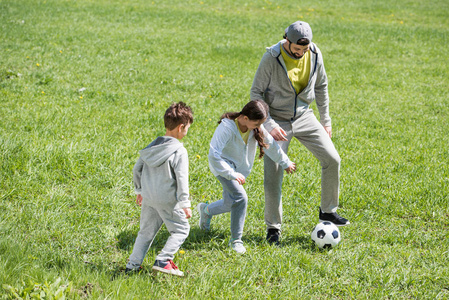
(295, 50)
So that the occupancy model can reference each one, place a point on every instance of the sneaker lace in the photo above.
(208, 217)
(173, 264)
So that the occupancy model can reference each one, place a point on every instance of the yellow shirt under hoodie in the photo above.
(298, 70)
(244, 135)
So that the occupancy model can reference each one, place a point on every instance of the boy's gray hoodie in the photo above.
(161, 174)
(271, 84)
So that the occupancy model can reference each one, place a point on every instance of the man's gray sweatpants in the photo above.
(235, 201)
(151, 220)
(309, 131)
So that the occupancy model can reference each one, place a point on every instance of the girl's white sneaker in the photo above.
(205, 219)
(237, 246)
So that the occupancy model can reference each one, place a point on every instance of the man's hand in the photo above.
(139, 199)
(240, 179)
(278, 134)
(328, 130)
(291, 168)
(188, 212)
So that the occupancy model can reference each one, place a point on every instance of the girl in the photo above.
(231, 157)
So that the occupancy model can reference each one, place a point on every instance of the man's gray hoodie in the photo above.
(271, 84)
(161, 174)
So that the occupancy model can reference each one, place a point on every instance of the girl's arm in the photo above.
(221, 138)
(276, 154)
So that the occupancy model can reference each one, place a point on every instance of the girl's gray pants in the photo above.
(235, 201)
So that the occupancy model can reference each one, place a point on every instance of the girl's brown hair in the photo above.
(255, 110)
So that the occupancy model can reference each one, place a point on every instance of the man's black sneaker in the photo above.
(273, 236)
(334, 218)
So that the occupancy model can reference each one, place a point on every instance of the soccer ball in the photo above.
(326, 235)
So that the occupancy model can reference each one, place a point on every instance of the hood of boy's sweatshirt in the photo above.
(156, 153)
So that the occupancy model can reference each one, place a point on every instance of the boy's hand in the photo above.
(139, 199)
(291, 168)
(240, 179)
(328, 130)
(188, 212)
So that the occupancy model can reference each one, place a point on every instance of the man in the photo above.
(289, 77)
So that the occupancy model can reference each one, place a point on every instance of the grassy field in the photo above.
(84, 85)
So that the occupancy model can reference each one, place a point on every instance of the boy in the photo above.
(161, 184)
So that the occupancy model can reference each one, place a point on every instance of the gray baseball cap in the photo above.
(298, 30)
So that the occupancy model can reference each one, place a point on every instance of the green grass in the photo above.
(84, 85)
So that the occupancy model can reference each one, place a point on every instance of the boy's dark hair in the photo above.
(176, 114)
(255, 110)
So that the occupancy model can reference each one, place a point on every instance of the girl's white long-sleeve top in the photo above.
(229, 154)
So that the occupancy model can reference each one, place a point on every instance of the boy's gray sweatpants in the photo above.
(235, 201)
(151, 219)
(309, 131)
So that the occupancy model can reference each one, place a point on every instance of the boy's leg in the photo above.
(309, 131)
(235, 201)
(179, 228)
(150, 223)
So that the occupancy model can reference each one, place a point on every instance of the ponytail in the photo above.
(259, 136)
(255, 110)
(229, 115)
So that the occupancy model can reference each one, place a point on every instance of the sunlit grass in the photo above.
(84, 85)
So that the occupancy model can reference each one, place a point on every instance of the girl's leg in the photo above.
(235, 201)
(150, 223)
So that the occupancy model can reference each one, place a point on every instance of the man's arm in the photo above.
(260, 84)
(321, 93)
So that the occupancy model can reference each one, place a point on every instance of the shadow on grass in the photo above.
(125, 239)
(119, 272)
(198, 238)
(303, 242)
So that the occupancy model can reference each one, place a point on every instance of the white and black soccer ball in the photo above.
(326, 235)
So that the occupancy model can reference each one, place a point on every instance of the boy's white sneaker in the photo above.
(204, 217)
(237, 246)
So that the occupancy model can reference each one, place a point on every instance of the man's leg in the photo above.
(273, 176)
(309, 131)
